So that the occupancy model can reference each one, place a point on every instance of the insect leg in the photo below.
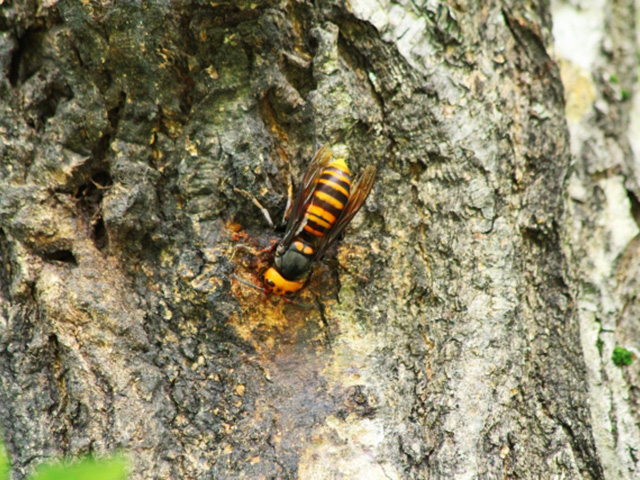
(255, 201)
(287, 210)
(289, 181)
(274, 244)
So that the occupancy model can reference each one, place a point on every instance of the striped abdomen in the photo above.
(329, 199)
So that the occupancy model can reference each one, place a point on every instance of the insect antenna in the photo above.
(248, 284)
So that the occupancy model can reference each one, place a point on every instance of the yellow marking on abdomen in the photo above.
(313, 231)
(334, 185)
(320, 221)
(340, 175)
(321, 212)
(329, 199)
(341, 165)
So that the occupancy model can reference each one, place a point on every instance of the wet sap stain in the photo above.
(313, 379)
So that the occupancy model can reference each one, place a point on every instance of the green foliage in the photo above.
(625, 94)
(86, 469)
(114, 468)
(4, 463)
(621, 356)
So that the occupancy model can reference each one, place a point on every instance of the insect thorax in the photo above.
(293, 264)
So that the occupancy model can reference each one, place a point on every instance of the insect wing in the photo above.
(309, 182)
(359, 194)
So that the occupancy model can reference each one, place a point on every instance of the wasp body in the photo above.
(325, 204)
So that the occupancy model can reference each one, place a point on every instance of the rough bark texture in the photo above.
(597, 47)
(447, 334)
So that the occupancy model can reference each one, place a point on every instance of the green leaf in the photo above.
(87, 469)
(4, 463)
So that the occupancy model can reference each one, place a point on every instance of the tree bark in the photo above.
(463, 327)
(597, 50)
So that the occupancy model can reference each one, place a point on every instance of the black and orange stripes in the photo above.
(324, 206)
(329, 199)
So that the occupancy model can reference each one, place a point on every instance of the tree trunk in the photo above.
(463, 327)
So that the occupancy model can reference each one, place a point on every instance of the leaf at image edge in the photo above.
(4, 463)
(87, 469)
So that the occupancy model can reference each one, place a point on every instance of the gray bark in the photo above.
(597, 47)
(463, 328)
